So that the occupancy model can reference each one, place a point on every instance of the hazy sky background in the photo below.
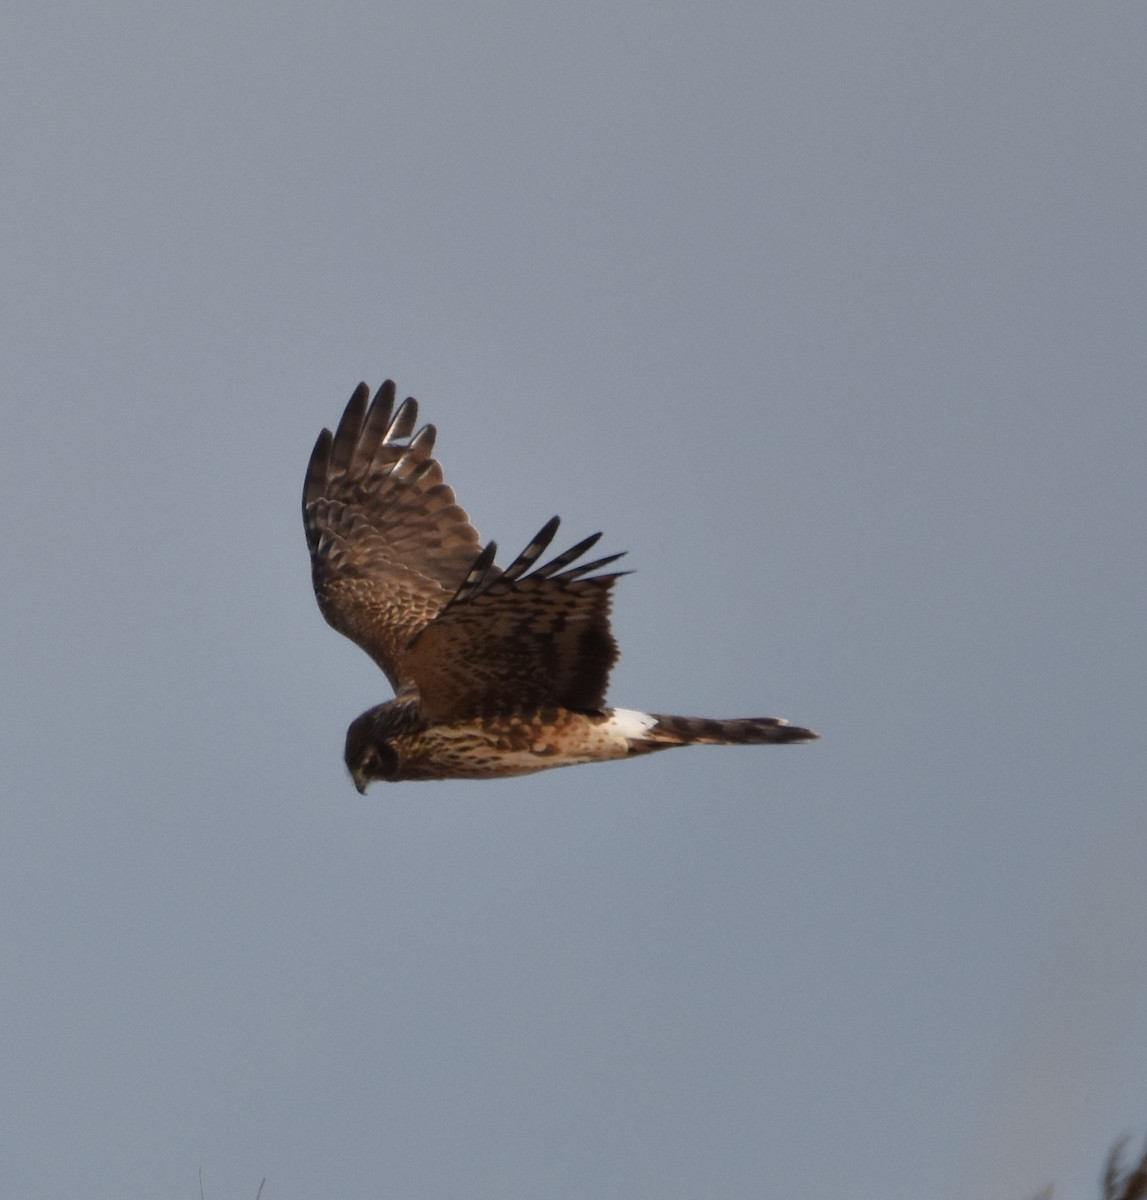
(832, 314)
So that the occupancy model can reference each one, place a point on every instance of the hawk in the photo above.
(495, 672)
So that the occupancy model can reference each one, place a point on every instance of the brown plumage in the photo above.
(495, 672)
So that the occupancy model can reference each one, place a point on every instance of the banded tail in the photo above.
(657, 731)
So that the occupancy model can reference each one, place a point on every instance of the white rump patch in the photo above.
(630, 723)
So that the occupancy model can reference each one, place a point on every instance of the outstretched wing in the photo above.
(389, 544)
(520, 638)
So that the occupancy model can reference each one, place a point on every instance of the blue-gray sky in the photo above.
(832, 315)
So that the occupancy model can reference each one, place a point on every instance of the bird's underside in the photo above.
(495, 672)
(494, 745)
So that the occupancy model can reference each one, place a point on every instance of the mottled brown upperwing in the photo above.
(514, 640)
(389, 543)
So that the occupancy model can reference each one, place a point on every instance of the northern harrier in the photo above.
(495, 672)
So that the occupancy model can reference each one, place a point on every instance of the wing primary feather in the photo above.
(586, 568)
(404, 420)
(350, 427)
(568, 556)
(374, 427)
(476, 576)
(317, 470)
(415, 455)
(420, 448)
(533, 551)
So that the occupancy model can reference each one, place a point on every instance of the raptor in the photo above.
(495, 672)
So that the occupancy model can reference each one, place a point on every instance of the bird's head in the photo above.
(369, 756)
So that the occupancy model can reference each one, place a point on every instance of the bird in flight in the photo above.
(495, 672)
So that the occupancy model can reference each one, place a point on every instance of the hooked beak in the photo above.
(360, 782)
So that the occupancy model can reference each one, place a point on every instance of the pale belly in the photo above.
(522, 744)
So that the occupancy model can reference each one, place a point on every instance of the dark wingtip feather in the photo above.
(318, 469)
(404, 421)
(533, 551)
(422, 444)
(376, 424)
(589, 567)
(567, 556)
(477, 574)
(349, 429)
(557, 568)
